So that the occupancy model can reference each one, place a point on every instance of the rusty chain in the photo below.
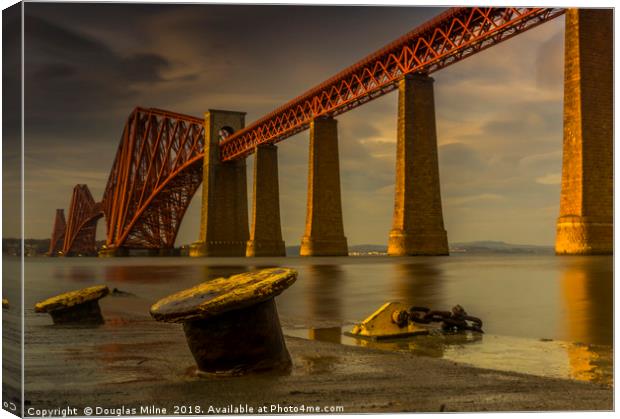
(454, 320)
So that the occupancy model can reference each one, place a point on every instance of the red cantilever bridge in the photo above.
(159, 162)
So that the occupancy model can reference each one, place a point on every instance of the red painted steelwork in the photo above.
(58, 233)
(450, 37)
(157, 170)
(84, 212)
(158, 165)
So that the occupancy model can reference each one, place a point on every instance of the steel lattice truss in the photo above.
(452, 36)
(58, 233)
(84, 212)
(157, 169)
(158, 165)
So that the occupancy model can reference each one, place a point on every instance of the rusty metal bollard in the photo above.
(75, 307)
(231, 324)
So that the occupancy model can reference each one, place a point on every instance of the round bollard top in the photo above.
(220, 295)
(72, 298)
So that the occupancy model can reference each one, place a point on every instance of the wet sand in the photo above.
(144, 363)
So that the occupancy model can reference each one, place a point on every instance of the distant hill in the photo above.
(357, 248)
(32, 247)
(35, 247)
(489, 246)
(484, 246)
(368, 248)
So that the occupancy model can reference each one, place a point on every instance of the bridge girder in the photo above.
(157, 170)
(450, 37)
(81, 228)
(58, 233)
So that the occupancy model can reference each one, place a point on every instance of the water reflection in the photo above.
(147, 274)
(80, 274)
(326, 334)
(168, 274)
(587, 289)
(546, 358)
(434, 345)
(591, 363)
(222, 271)
(324, 300)
(419, 283)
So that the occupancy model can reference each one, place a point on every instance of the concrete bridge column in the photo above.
(324, 234)
(224, 215)
(266, 233)
(585, 225)
(417, 227)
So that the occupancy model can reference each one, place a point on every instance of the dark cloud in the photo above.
(11, 77)
(143, 68)
(11, 120)
(73, 80)
(60, 41)
(50, 72)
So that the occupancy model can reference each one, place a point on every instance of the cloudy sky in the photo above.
(499, 113)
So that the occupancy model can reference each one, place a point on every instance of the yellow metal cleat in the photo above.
(389, 321)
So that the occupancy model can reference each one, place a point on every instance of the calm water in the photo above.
(542, 314)
(562, 298)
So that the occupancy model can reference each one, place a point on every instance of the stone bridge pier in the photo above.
(266, 232)
(224, 214)
(324, 235)
(585, 224)
(417, 227)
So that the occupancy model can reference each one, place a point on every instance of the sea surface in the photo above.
(543, 314)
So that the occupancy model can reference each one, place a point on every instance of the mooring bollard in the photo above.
(75, 307)
(231, 324)
(5, 303)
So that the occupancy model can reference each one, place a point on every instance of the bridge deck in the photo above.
(450, 37)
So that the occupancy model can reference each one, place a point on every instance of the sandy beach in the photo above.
(160, 377)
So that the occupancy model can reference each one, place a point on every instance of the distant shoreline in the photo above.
(38, 247)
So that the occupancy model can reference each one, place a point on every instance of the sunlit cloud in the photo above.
(550, 179)
(478, 199)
